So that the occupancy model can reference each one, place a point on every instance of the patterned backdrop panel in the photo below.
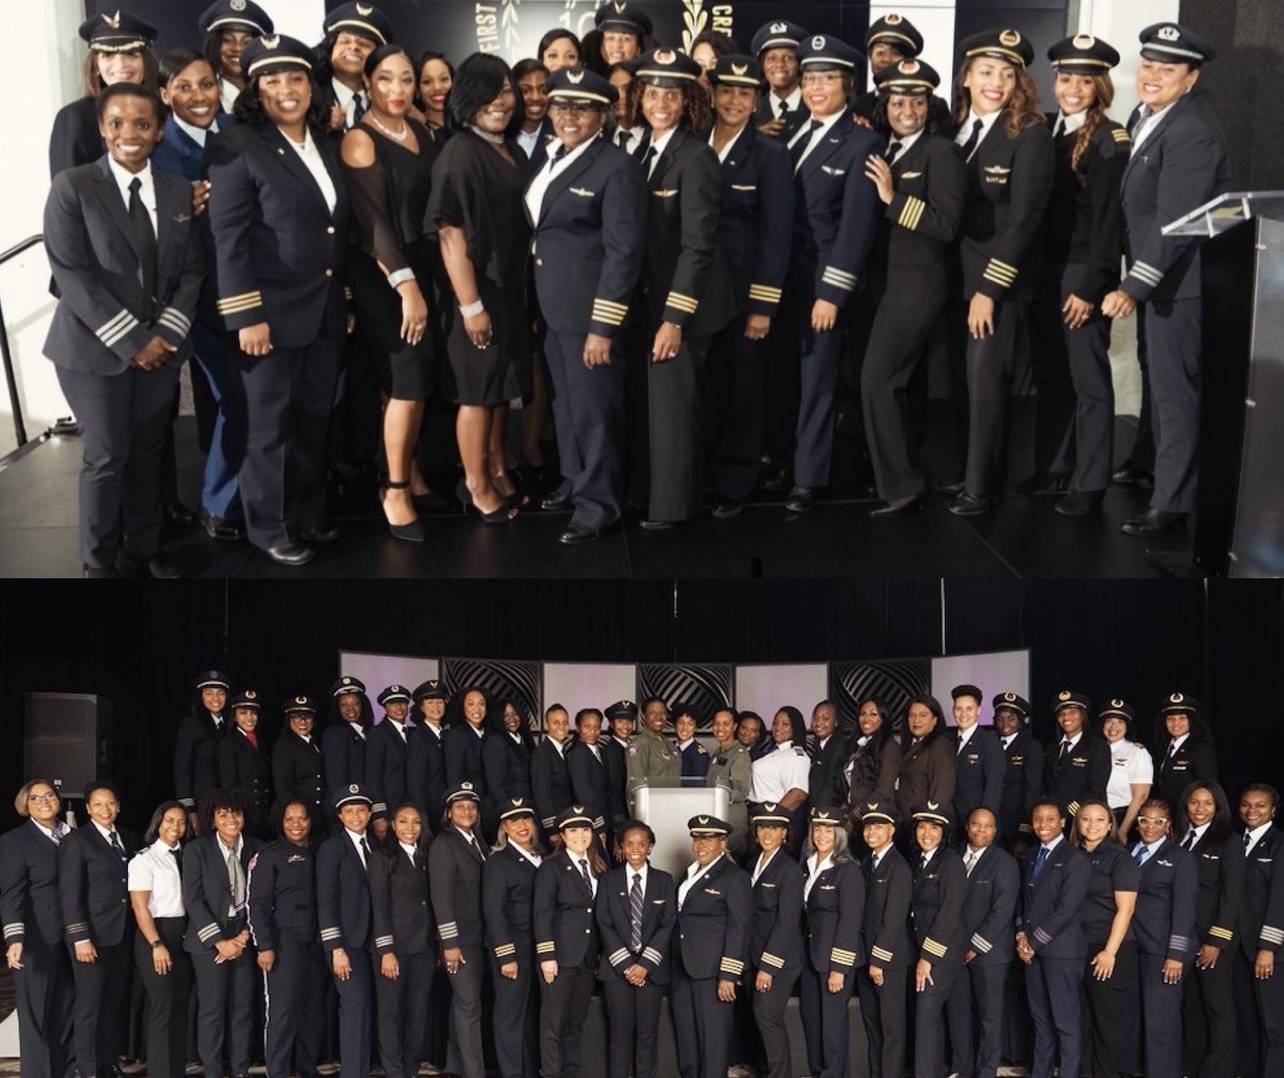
(891, 681)
(518, 680)
(702, 686)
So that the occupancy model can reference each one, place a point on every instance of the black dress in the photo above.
(476, 190)
(389, 198)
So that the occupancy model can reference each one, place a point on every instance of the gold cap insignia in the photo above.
(818, 42)
(1064, 694)
(778, 27)
(1009, 38)
(271, 41)
(1010, 696)
(665, 56)
(364, 9)
(575, 77)
(739, 69)
(892, 20)
(112, 20)
(1169, 33)
(1083, 41)
(908, 67)
(353, 788)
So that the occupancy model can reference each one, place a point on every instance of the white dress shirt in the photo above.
(726, 149)
(780, 771)
(539, 185)
(1147, 124)
(315, 164)
(347, 100)
(658, 145)
(146, 187)
(965, 132)
(815, 866)
(763, 861)
(793, 101)
(822, 132)
(197, 134)
(694, 872)
(1130, 764)
(155, 869)
(905, 144)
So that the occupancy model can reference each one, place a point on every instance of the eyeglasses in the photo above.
(1156, 820)
(821, 78)
(42, 798)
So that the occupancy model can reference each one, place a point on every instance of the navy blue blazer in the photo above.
(590, 780)
(387, 759)
(835, 915)
(399, 902)
(562, 913)
(989, 905)
(282, 895)
(714, 923)
(507, 764)
(279, 249)
(979, 778)
(343, 754)
(508, 898)
(462, 748)
(207, 891)
(1048, 908)
(297, 769)
(103, 317)
(756, 219)
(539, 155)
(659, 915)
(1180, 164)
(775, 939)
(1022, 784)
(179, 153)
(588, 241)
(196, 756)
(1221, 886)
(455, 879)
(1164, 922)
(29, 906)
(93, 888)
(550, 781)
(344, 910)
(427, 774)
(885, 930)
(836, 214)
(1261, 912)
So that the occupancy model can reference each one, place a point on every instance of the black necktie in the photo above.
(647, 160)
(1189, 841)
(1248, 841)
(622, 139)
(178, 858)
(969, 147)
(783, 114)
(584, 871)
(1061, 128)
(558, 157)
(145, 238)
(365, 851)
(797, 150)
(358, 109)
(1065, 754)
(890, 155)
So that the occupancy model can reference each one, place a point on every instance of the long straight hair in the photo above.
(1021, 111)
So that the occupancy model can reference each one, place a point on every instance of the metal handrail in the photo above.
(19, 427)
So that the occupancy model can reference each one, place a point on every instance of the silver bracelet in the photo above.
(470, 309)
(400, 276)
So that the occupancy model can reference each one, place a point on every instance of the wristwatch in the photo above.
(157, 943)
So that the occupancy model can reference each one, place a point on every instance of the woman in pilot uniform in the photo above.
(922, 182)
(297, 764)
(228, 26)
(196, 743)
(834, 909)
(343, 741)
(1007, 146)
(120, 50)
(1184, 750)
(754, 226)
(886, 942)
(1082, 238)
(279, 215)
(243, 763)
(566, 941)
(686, 291)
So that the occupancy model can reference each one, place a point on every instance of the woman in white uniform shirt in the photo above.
(782, 775)
(156, 894)
(1131, 768)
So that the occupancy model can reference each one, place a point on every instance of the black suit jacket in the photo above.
(455, 879)
(1261, 912)
(344, 755)
(1022, 784)
(93, 886)
(1179, 165)
(1195, 760)
(835, 915)
(550, 781)
(103, 316)
(463, 753)
(1221, 885)
(756, 219)
(508, 898)
(279, 248)
(426, 778)
(507, 765)
(590, 781)
(1048, 908)
(659, 915)
(714, 923)
(936, 908)
(794, 118)
(196, 757)
(399, 902)
(588, 241)
(1082, 777)
(910, 265)
(617, 778)
(825, 780)
(562, 913)
(775, 939)
(243, 767)
(282, 895)
(989, 905)
(387, 757)
(297, 769)
(684, 276)
(885, 931)
(207, 891)
(979, 778)
(344, 911)
(1009, 182)
(75, 139)
(29, 903)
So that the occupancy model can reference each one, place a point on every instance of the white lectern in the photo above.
(667, 808)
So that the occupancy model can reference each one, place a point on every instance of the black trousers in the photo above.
(356, 1014)
(225, 1008)
(168, 997)
(123, 419)
(781, 383)
(1053, 986)
(974, 1014)
(563, 1007)
(465, 1055)
(702, 1025)
(402, 1006)
(1142, 454)
(769, 1015)
(1151, 1011)
(293, 1022)
(734, 384)
(824, 1021)
(100, 1004)
(43, 991)
(1260, 1007)
(1103, 1010)
(517, 1002)
(991, 363)
(588, 413)
(929, 1019)
(1208, 1020)
(883, 1011)
(896, 344)
(633, 1020)
(1173, 347)
(286, 398)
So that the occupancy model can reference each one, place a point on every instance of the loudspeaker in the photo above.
(68, 739)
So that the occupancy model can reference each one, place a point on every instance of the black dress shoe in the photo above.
(1154, 522)
(100, 572)
(901, 507)
(971, 505)
(320, 535)
(951, 488)
(775, 479)
(578, 535)
(801, 500)
(657, 525)
(291, 554)
(159, 567)
(1131, 476)
(218, 528)
(555, 501)
(728, 508)
(1044, 483)
(178, 513)
(1079, 503)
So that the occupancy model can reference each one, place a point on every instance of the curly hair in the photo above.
(722, 44)
(884, 127)
(249, 107)
(1021, 111)
(1103, 89)
(697, 111)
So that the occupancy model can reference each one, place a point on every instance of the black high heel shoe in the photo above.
(505, 513)
(412, 532)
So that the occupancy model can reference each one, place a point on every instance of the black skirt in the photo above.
(405, 371)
